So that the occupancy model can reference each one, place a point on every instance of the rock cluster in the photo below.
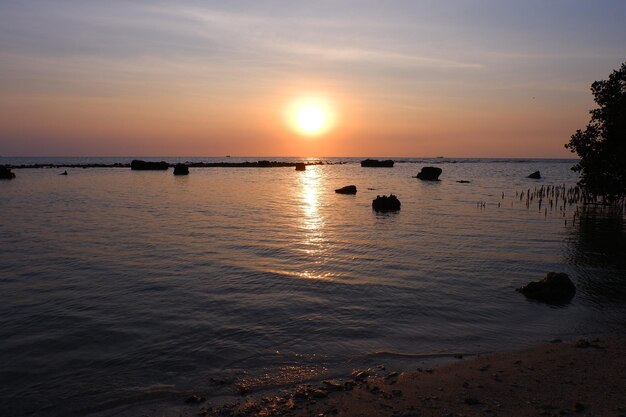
(385, 203)
(375, 163)
(181, 169)
(6, 173)
(535, 175)
(348, 189)
(139, 165)
(555, 288)
(429, 174)
(300, 166)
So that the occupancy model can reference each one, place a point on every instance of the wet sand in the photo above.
(586, 377)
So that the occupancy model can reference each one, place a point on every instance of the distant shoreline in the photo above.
(257, 164)
(265, 163)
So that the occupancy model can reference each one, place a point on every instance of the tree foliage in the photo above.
(602, 145)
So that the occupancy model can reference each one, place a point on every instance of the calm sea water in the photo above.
(120, 287)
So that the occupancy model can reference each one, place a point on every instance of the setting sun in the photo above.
(311, 116)
(311, 119)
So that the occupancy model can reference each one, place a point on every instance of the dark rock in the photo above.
(6, 174)
(300, 166)
(333, 385)
(138, 165)
(348, 189)
(555, 288)
(319, 393)
(535, 175)
(195, 399)
(63, 173)
(429, 174)
(392, 375)
(471, 401)
(375, 163)
(385, 203)
(181, 169)
(243, 389)
(463, 182)
(361, 375)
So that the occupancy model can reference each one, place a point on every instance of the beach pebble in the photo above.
(195, 399)
(334, 385)
(243, 389)
(362, 375)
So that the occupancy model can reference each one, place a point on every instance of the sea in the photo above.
(124, 290)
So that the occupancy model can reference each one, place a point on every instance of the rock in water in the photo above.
(6, 173)
(375, 163)
(429, 174)
(348, 189)
(300, 166)
(535, 175)
(555, 288)
(385, 203)
(138, 165)
(181, 169)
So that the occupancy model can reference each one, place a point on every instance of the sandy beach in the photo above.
(585, 377)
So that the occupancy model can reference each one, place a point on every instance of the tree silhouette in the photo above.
(602, 145)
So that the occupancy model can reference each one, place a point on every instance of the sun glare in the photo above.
(311, 116)
(311, 119)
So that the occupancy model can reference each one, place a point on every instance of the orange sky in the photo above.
(210, 80)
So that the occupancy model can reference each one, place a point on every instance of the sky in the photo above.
(410, 78)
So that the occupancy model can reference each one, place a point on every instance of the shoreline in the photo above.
(584, 377)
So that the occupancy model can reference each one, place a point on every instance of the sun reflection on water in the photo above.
(312, 224)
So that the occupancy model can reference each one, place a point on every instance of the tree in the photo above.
(602, 145)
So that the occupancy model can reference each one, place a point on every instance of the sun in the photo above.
(311, 119)
(311, 116)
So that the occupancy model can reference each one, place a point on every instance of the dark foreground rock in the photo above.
(348, 189)
(535, 175)
(6, 173)
(181, 169)
(385, 203)
(300, 166)
(375, 163)
(555, 288)
(138, 165)
(429, 174)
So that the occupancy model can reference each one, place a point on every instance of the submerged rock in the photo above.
(375, 163)
(348, 189)
(385, 203)
(6, 173)
(555, 288)
(181, 169)
(429, 174)
(300, 166)
(535, 175)
(139, 165)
